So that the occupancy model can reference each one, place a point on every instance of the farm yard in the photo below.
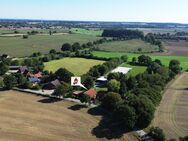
(165, 59)
(32, 118)
(171, 115)
(39, 43)
(78, 66)
(128, 46)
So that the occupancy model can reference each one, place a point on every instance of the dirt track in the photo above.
(25, 117)
(171, 115)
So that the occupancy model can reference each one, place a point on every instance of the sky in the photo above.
(175, 11)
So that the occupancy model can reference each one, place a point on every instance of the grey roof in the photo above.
(56, 83)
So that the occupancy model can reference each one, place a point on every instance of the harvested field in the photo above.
(26, 117)
(171, 115)
(176, 48)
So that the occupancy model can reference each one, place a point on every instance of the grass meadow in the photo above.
(135, 69)
(165, 59)
(19, 47)
(94, 32)
(78, 66)
(128, 46)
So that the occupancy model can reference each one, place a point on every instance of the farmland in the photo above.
(175, 48)
(25, 30)
(34, 118)
(77, 66)
(128, 46)
(165, 59)
(94, 32)
(162, 30)
(171, 115)
(18, 47)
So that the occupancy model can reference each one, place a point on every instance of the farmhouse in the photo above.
(23, 70)
(18, 69)
(91, 93)
(36, 75)
(123, 70)
(52, 85)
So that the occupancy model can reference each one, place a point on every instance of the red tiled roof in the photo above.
(37, 75)
(91, 92)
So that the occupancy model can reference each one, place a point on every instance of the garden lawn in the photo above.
(135, 69)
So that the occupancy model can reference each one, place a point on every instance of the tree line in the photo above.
(133, 100)
(133, 34)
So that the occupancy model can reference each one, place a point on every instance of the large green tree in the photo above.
(3, 68)
(125, 115)
(66, 47)
(113, 86)
(174, 66)
(9, 81)
(88, 82)
(110, 100)
(63, 75)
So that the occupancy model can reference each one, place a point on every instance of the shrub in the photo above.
(157, 134)
(25, 36)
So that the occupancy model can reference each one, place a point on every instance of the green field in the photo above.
(128, 46)
(135, 69)
(165, 59)
(94, 32)
(78, 66)
(18, 47)
(24, 31)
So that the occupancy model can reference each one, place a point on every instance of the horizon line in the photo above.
(107, 21)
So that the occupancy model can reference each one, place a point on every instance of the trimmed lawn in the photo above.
(78, 66)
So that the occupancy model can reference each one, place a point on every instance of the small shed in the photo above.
(101, 82)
